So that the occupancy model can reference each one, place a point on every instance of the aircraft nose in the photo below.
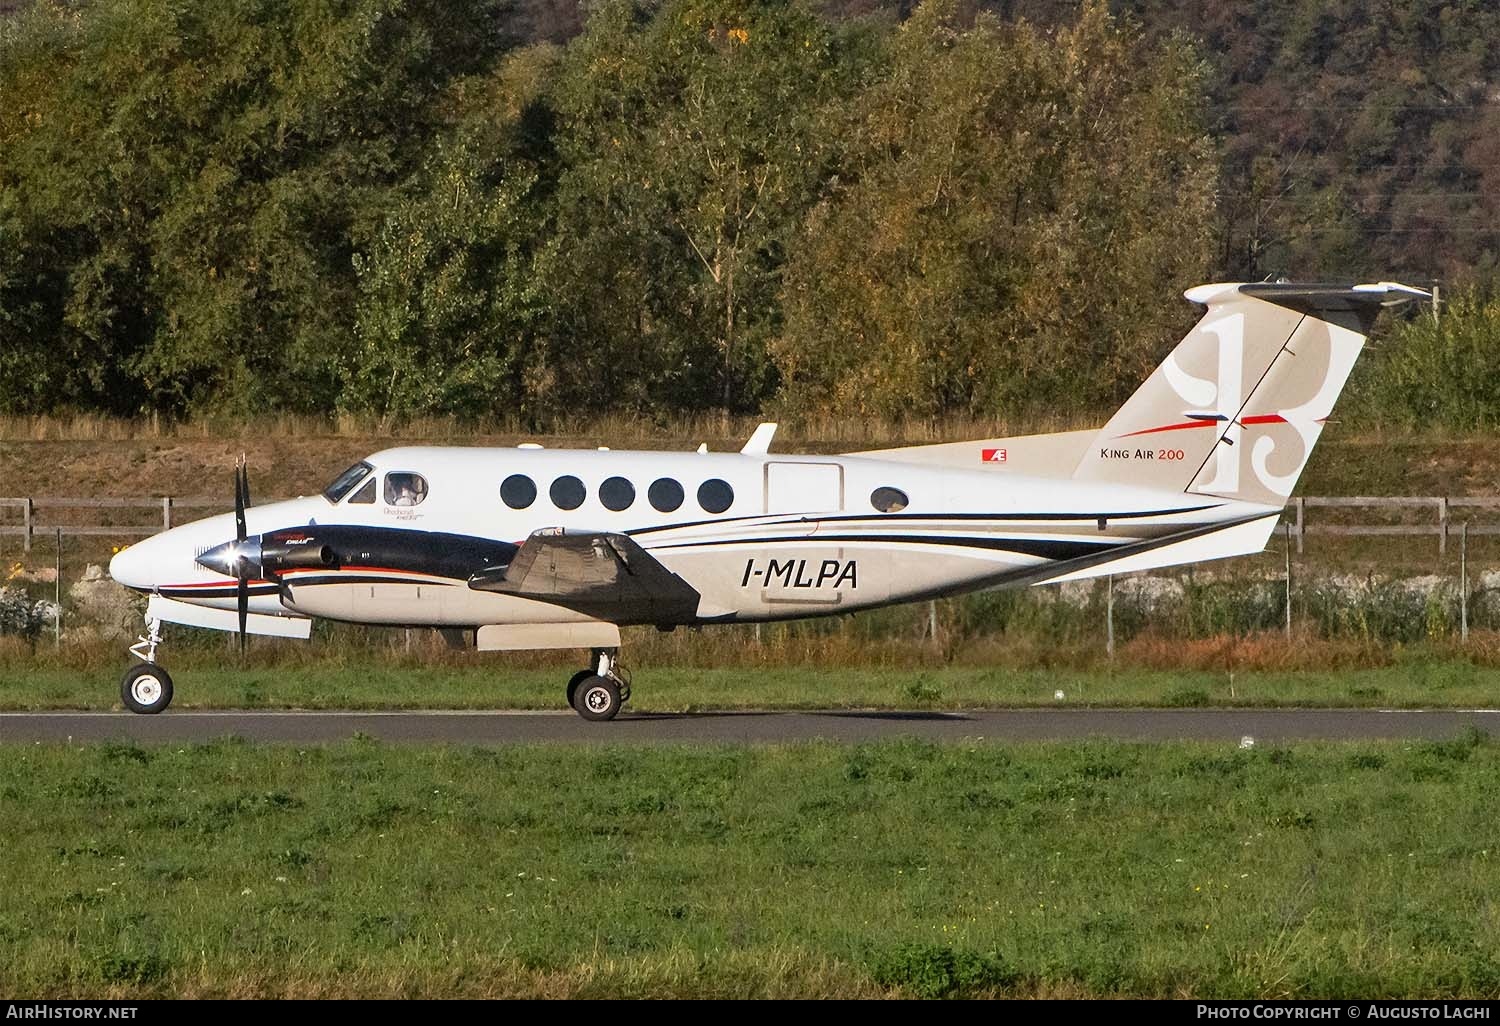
(133, 566)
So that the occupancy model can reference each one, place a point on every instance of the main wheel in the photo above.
(146, 688)
(597, 698)
(577, 679)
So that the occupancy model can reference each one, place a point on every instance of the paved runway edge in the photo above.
(502, 728)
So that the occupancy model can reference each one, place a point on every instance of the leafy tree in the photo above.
(449, 305)
(690, 150)
(195, 179)
(1013, 223)
(1433, 371)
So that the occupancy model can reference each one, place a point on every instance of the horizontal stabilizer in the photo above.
(1244, 538)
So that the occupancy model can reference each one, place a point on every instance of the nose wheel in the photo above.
(598, 693)
(146, 687)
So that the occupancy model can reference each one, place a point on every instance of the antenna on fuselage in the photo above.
(760, 442)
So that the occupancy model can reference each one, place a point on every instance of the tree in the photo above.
(690, 151)
(449, 305)
(188, 184)
(1011, 227)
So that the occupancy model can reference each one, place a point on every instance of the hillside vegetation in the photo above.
(490, 209)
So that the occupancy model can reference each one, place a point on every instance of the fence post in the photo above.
(1109, 616)
(932, 620)
(1289, 582)
(28, 514)
(1300, 507)
(1463, 584)
(57, 594)
(1443, 526)
(166, 512)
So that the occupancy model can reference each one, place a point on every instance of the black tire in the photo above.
(577, 679)
(597, 698)
(146, 688)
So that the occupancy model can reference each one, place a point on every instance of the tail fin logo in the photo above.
(1292, 389)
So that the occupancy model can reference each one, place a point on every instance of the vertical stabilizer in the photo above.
(1236, 408)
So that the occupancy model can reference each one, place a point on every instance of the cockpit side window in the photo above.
(365, 496)
(404, 488)
(346, 481)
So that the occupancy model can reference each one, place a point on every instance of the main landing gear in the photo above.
(146, 687)
(598, 693)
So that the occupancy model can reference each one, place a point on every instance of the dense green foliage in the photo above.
(1437, 371)
(1359, 137)
(1088, 868)
(490, 207)
(387, 206)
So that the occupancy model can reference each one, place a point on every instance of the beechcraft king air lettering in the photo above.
(528, 548)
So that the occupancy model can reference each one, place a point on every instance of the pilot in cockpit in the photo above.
(405, 489)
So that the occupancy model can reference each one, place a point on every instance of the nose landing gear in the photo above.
(598, 693)
(146, 687)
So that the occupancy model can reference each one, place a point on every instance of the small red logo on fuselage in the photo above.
(992, 455)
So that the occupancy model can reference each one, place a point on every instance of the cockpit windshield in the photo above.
(346, 481)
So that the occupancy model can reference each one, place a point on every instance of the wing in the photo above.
(600, 574)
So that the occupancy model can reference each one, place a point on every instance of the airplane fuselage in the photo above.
(757, 537)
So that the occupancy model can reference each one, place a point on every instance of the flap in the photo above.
(600, 574)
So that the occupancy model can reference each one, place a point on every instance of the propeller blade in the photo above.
(242, 596)
(241, 499)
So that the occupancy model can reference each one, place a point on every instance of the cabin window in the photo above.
(888, 500)
(567, 492)
(616, 493)
(345, 482)
(715, 496)
(405, 489)
(366, 495)
(518, 491)
(665, 495)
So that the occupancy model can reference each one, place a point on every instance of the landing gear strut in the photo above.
(146, 687)
(597, 693)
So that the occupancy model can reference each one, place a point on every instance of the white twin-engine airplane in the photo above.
(537, 549)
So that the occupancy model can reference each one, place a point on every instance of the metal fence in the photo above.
(1432, 516)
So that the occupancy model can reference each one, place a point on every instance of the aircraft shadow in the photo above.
(897, 716)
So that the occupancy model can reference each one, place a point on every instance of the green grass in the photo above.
(812, 870)
(1413, 684)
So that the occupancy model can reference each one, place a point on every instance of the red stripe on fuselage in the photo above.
(324, 570)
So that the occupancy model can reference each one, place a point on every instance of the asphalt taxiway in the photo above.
(504, 728)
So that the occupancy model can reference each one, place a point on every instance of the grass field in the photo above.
(818, 870)
(1418, 683)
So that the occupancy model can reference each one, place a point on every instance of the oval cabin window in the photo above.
(518, 491)
(665, 494)
(888, 500)
(567, 492)
(715, 496)
(616, 494)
